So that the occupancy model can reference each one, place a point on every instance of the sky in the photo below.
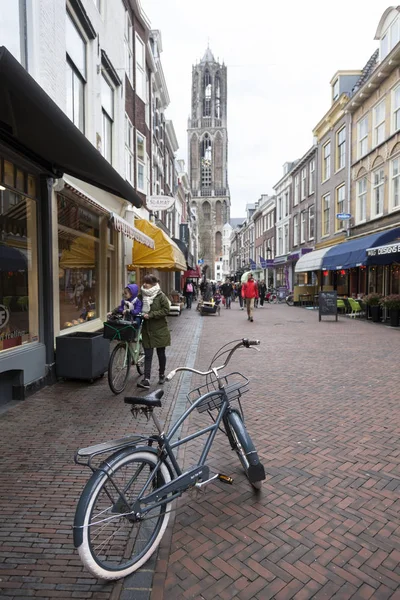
(280, 58)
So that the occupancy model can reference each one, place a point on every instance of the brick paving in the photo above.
(323, 413)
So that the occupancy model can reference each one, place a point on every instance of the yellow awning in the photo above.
(81, 255)
(165, 256)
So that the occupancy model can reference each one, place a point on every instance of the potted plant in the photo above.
(372, 300)
(392, 303)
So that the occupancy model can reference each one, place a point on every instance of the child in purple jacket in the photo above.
(130, 304)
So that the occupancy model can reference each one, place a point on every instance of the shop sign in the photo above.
(159, 202)
(4, 316)
(389, 249)
(343, 216)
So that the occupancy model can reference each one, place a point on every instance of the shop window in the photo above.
(19, 322)
(78, 251)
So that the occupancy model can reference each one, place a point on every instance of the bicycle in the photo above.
(129, 351)
(123, 511)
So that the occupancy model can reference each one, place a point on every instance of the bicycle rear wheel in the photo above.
(112, 542)
(241, 442)
(289, 300)
(118, 368)
(140, 361)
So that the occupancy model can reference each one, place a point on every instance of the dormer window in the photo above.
(388, 31)
(335, 90)
(384, 46)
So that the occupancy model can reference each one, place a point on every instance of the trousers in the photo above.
(148, 359)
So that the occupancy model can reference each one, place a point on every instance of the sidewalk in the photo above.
(323, 412)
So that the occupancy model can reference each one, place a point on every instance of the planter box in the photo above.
(82, 355)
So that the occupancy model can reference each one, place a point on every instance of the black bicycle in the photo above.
(124, 508)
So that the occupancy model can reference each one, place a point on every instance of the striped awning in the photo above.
(130, 231)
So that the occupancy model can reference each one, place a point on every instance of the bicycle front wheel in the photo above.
(118, 368)
(111, 540)
(289, 300)
(241, 442)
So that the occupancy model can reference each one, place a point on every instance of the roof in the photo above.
(236, 222)
(208, 56)
(367, 71)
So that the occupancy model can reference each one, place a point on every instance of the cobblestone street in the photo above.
(323, 413)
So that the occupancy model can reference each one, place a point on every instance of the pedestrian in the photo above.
(249, 293)
(239, 293)
(188, 292)
(262, 288)
(155, 332)
(131, 305)
(226, 289)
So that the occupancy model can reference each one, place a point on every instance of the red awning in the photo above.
(194, 273)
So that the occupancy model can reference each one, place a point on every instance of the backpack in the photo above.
(189, 288)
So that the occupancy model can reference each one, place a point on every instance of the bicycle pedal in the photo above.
(225, 478)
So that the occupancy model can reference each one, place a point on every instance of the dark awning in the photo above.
(33, 125)
(384, 255)
(185, 251)
(354, 252)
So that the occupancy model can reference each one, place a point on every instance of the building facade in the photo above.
(208, 156)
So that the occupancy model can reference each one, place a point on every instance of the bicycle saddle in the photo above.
(151, 400)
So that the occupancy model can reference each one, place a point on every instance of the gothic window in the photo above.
(218, 161)
(207, 95)
(206, 160)
(218, 244)
(224, 212)
(194, 159)
(217, 96)
(218, 212)
(206, 211)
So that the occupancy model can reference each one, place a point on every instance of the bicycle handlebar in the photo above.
(244, 342)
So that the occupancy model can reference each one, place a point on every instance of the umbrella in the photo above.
(245, 276)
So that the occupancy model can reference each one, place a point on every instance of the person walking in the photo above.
(239, 293)
(188, 292)
(262, 288)
(249, 293)
(226, 290)
(155, 332)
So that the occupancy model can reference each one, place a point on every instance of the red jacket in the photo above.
(250, 289)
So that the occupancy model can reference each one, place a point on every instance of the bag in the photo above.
(223, 300)
(189, 288)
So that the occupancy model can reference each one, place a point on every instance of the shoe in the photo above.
(145, 384)
(161, 381)
(251, 319)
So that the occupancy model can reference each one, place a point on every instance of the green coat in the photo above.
(155, 332)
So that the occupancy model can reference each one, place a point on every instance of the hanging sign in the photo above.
(343, 216)
(159, 202)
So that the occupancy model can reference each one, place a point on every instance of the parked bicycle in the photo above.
(124, 508)
(129, 351)
(279, 295)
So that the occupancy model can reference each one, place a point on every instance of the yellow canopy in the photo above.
(165, 256)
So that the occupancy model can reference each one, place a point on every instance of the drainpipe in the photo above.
(349, 175)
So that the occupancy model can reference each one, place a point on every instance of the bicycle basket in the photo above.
(123, 331)
(235, 385)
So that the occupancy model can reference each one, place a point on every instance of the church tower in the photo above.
(208, 157)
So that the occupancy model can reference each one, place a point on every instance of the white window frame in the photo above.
(335, 90)
(280, 241)
(140, 62)
(311, 179)
(326, 161)
(378, 192)
(341, 149)
(340, 191)
(379, 120)
(79, 77)
(302, 226)
(326, 201)
(280, 204)
(128, 44)
(396, 109)
(303, 183)
(107, 120)
(141, 163)
(395, 181)
(362, 136)
(286, 204)
(311, 222)
(362, 197)
(129, 151)
(296, 190)
(296, 229)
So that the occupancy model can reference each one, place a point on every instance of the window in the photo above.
(362, 199)
(206, 161)
(280, 241)
(362, 136)
(335, 90)
(394, 33)
(303, 226)
(341, 149)
(129, 151)
(97, 4)
(311, 222)
(128, 47)
(19, 316)
(75, 74)
(78, 249)
(285, 238)
(286, 204)
(295, 229)
(395, 187)
(326, 173)
(147, 94)
(326, 200)
(140, 68)
(340, 198)
(279, 208)
(379, 123)
(384, 46)
(311, 178)
(377, 192)
(140, 162)
(13, 29)
(107, 107)
(303, 183)
(296, 190)
(396, 108)
(207, 95)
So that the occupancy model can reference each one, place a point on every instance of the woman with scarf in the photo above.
(155, 332)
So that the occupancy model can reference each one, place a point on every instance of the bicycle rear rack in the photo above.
(84, 456)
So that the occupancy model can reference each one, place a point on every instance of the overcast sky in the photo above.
(280, 58)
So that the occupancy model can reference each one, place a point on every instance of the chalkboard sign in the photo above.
(327, 304)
